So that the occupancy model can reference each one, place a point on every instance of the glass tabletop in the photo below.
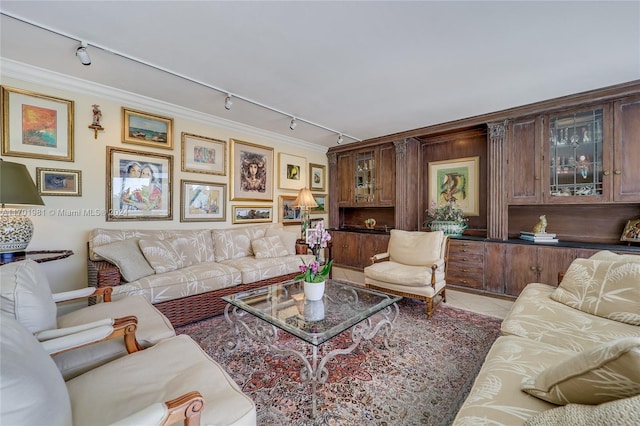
(284, 306)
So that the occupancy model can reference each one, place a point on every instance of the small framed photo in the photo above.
(201, 154)
(138, 185)
(323, 204)
(289, 215)
(143, 128)
(631, 231)
(292, 171)
(456, 180)
(59, 182)
(251, 171)
(202, 201)
(252, 214)
(317, 177)
(36, 126)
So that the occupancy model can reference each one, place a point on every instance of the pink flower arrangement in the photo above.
(312, 273)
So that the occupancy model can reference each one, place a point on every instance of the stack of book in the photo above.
(540, 237)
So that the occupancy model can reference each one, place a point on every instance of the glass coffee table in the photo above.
(365, 313)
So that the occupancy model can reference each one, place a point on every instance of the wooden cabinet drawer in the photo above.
(465, 266)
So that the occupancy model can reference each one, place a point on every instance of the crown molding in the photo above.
(31, 74)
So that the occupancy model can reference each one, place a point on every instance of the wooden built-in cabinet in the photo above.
(366, 177)
(354, 250)
(465, 265)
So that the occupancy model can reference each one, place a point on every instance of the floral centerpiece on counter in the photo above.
(447, 217)
(313, 272)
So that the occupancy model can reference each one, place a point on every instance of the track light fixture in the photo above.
(293, 124)
(82, 54)
(340, 139)
(228, 102)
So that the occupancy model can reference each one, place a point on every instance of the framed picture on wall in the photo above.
(201, 154)
(289, 215)
(252, 214)
(323, 204)
(455, 180)
(59, 182)
(202, 201)
(317, 177)
(36, 125)
(292, 171)
(143, 128)
(138, 185)
(252, 171)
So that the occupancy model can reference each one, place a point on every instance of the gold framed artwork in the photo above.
(631, 232)
(456, 180)
(289, 215)
(323, 204)
(138, 185)
(252, 214)
(143, 128)
(292, 171)
(251, 171)
(201, 154)
(317, 177)
(36, 125)
(59, 182)
(202, 201)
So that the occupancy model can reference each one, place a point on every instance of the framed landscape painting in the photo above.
(455, 180)
(201, 154)
(323, 204)
(292, 171)
(143, 128)
(252, 214)
(138, 185)
(251, 171)
(36, 125)
(202, 201)
(59, 182)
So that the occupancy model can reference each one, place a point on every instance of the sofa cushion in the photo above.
(168, 255)
(126, 255)
(253, 269)
(621, 412)
(608, 372)
(267, 247)
(288, 238)
(26, 296)
(415, 248)
(605, 288)
(31, 387)
(609, 255)
(236, 242)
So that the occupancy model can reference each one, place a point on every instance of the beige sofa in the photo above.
(184, 273)
(567, 355)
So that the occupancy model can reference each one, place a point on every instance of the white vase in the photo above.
(313, 291)
(313, 310)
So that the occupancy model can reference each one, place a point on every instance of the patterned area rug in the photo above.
(422, 380)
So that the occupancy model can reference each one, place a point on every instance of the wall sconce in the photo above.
(16, 187)
(305, 201)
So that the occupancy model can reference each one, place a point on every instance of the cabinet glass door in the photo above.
(365, 177)
(575, 154)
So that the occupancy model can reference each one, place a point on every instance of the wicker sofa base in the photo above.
(186, 309)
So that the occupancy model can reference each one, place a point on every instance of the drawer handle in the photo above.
(464, 270)
(465, 250)
(533, 268)
(464, 259)
(465, 282)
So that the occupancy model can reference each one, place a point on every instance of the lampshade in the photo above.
(305, 199)
(16, 187)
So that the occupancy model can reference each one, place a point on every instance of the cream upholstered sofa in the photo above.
(184, 273)
(568, 354)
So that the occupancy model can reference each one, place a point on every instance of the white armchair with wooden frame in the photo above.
(413, 266)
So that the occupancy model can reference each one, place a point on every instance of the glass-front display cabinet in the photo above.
(576, 155)
(365, 168)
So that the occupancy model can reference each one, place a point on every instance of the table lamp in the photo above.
(16, 187)
(305, 201)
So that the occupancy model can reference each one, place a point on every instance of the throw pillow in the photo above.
(605, 288)
(167, 255)
(605, 373)
(621, 412)
(126, 255)
(415, 248)
(288, 238)
(267, 247)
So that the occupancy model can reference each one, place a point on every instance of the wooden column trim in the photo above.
(334, 213)
(401, 183)
(497, 227)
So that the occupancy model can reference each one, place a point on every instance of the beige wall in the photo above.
(54, 230)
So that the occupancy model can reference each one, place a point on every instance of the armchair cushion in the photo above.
(26, 296)
(404, 275)
(415, 248)
(126, 255)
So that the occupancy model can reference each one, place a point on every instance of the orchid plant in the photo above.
(313, 273)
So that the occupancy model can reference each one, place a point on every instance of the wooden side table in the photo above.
(38, 256)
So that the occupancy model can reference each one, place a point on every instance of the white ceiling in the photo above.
(365, 68)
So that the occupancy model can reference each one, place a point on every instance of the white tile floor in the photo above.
(472, 302)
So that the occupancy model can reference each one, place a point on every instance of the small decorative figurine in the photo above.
(370, 223)
(97, 116)
(540, 227)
